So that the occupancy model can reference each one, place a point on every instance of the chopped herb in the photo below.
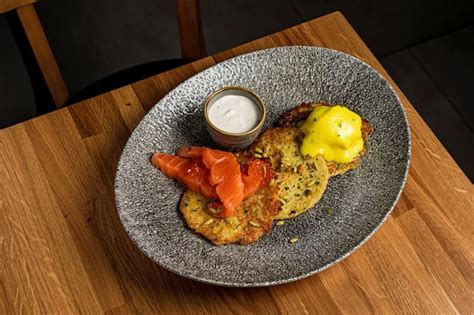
(329, 211)
(287, 188)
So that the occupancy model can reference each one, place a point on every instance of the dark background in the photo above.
(426, 46)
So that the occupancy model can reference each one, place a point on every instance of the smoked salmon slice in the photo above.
(255, 175)
(190, 152)
(231, 189)
(169, 164)
(208, 190)
(192, 173)
(215, 174)
(218, 162)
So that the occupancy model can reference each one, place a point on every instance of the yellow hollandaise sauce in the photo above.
(333, 132)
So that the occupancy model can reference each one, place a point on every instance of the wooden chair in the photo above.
(47, 82)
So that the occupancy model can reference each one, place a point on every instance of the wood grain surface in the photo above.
(63, 249)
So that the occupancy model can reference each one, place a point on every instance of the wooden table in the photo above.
(64, 249)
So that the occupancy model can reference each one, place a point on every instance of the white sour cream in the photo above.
(234, 113)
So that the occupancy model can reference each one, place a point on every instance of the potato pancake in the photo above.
(301, 181)
(252, 219)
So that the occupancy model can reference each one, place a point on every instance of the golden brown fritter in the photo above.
(301, 112)
(252, 219)
(301, 181)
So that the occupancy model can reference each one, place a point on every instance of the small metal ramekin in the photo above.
(229, 140)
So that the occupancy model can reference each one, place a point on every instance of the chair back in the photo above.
(190, 32)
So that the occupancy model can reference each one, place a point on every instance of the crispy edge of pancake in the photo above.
(298, 113)
(301, 180)
(252, 219)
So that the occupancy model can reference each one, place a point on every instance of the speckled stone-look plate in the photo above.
(284, 77)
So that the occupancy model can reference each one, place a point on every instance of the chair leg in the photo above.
(43, 54)
(190, 29)
(44, 99)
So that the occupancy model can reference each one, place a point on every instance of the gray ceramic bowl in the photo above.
(147, 201)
